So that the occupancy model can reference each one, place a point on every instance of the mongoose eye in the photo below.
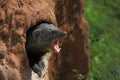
(53, 32)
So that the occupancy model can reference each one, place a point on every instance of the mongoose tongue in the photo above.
(56, 46)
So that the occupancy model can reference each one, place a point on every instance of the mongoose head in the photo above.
(47, 36)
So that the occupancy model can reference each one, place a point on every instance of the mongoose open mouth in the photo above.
(56, 46)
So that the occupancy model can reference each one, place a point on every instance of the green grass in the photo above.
(103, 17)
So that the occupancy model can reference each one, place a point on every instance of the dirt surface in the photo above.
(17, 16)
(75, 53)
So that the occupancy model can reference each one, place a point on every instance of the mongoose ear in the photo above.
(36, 34)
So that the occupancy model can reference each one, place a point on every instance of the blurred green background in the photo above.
(103, 17)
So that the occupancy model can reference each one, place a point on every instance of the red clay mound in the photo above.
(17, 16)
